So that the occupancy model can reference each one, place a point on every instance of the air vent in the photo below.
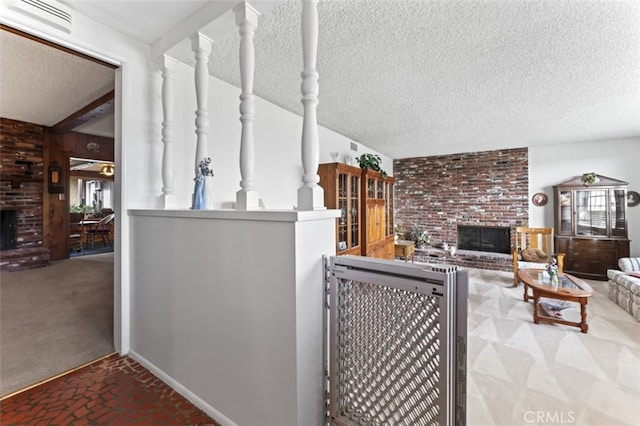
(50, 12)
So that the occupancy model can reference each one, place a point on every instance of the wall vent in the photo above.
(50, 12)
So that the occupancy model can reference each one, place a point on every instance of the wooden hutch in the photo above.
(591, 225)
(365, 199)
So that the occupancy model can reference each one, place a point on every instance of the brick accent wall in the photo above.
(23, 141)
(439, 193)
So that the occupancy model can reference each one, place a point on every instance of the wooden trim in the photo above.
(56, 46)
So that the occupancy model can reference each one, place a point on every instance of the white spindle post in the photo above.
(310, 194)
(201, 47)
(167, 65)
(247, 21)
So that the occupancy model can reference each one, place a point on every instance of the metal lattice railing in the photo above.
(387, 338)
(398, 343)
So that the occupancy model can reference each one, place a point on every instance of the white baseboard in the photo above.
(193, 398)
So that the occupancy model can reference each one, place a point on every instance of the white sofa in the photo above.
(624, 285)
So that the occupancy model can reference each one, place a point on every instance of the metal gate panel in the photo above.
(396, 355)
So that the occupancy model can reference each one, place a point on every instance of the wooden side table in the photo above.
(404, 249)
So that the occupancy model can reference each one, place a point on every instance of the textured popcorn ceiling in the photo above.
(42, 85)
(407, 78)
(413, 78)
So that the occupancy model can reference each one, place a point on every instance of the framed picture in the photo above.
(539, 199)
(633, 198)
(342, 245)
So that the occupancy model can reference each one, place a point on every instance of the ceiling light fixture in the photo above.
(107, 170)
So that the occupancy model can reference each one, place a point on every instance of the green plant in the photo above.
(589, 178)
(371, 162)
(80, 209)
(421, 238)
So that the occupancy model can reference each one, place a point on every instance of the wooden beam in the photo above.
(96, 109)
(85, 174)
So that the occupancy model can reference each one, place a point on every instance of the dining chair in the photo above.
(102, 228)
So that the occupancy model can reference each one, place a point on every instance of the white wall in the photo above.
(553, 164)
(278, 169)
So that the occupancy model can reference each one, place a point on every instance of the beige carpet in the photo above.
(55, 318)
(521, 373)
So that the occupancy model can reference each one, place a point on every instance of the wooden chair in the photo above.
(534, 249)
(102, 228)
(76, 237)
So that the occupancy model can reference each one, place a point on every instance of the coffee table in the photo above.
(570, 289)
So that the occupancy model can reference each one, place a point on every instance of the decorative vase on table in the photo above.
(554, 281)
(552, 270)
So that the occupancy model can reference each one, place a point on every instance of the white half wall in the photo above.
(553, 164)
(227, 307)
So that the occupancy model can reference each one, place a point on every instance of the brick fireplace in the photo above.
(481, 189)
(21, 195)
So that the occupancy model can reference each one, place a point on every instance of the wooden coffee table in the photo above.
(570, 289)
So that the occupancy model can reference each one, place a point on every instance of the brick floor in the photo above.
(116, 390)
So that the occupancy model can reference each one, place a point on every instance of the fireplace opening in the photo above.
(494, 239)
(7, 229)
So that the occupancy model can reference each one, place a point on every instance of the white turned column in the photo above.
(168, 66)
(201, 47)
(310, 194)
(247, 21)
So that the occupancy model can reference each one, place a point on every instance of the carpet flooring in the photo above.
(113, 391)
(521, 373)
(55, 318)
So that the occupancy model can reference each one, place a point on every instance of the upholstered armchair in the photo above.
(534, 250)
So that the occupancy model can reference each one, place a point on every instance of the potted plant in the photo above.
(371, 162)
(589, 178)
(421, 238)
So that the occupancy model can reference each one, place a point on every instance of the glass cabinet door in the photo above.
(355, 211)
(343, 206)
(566, 210)
(618, 211)
(591, 212)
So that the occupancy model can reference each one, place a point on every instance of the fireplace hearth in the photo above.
(493, 239)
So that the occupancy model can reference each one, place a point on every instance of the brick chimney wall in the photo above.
(480, 189)
(22, 141)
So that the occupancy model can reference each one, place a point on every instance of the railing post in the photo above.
(201, 46)
(247, 21)
(310, 194)
(167, 65)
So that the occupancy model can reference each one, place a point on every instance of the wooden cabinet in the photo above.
(365, 200)
(377, 215)
(341, 184)
(591, 225)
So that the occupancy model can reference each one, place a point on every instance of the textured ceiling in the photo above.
(43, 85)
(414, 78)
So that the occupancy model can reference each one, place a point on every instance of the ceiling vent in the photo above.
(50, 12)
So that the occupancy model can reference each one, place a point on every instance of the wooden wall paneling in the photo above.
(57, 211)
